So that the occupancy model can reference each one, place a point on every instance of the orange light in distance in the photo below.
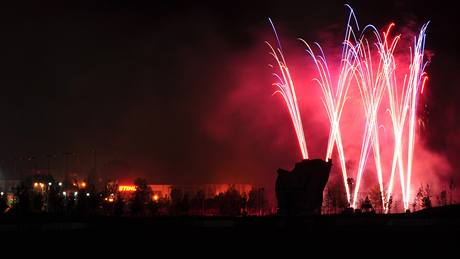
(155, 197)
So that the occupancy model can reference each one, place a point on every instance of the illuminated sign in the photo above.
(126, 188)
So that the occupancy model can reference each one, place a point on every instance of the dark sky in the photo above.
(142, 83)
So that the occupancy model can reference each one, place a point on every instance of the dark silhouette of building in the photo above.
(300, 191)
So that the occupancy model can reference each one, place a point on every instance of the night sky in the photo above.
(156, 89)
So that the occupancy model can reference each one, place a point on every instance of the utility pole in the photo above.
(66, 166)
(93, 176)
(49, 157)
(15, 165)
(95, 160)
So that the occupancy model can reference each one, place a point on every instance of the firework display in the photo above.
(368, 65)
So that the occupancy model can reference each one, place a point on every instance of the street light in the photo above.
(64, 193)
(87, 194)
(1, 193)
(60, 183)
(50, 183)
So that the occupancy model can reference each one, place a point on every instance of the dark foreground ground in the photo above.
(434, 228)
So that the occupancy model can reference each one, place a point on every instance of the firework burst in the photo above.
(368, 63)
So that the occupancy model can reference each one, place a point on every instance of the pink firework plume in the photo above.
(287, 90)
(403, 103)
(369, 63)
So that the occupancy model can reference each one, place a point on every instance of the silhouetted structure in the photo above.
(301, 191)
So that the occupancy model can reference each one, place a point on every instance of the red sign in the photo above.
(126, 188)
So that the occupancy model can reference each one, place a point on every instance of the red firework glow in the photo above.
(387, 85)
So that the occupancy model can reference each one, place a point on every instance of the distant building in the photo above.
(162, 191)
(210, 190)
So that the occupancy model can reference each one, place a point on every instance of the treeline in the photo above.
(45, 196)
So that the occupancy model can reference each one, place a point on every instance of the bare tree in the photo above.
(389, 203)
(423, 197)
(451, 189)
(336, 197)
(442, 198)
